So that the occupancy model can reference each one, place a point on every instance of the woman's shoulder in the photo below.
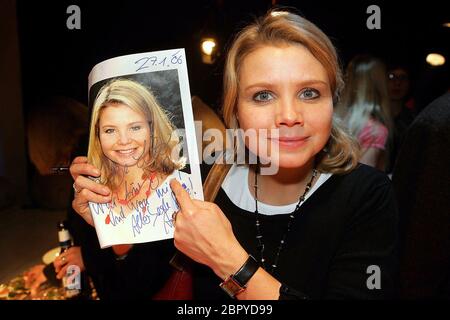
(363, 177)
(180, 174)
(362, 196)
(368, 173)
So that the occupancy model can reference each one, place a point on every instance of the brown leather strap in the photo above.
(214, 180)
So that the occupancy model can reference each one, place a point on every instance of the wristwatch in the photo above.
(236, 283)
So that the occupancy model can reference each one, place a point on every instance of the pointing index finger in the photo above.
(183, 198)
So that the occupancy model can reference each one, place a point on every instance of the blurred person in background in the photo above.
(54, 128)
(402, 109)
(364, 108)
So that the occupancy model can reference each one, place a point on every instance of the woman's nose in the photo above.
(124, 137)
(289, 113)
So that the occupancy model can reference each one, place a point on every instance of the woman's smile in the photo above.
(126, 151)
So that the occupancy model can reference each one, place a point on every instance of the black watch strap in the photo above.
(236, 283)
(243, 275)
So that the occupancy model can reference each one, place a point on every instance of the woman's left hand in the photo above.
(34, 278)
(204, 233)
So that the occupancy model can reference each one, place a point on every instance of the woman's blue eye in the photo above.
(109, 131)
(136, 128)
(263, 96)
(309, 94)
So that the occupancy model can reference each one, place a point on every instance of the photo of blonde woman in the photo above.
(133, 144)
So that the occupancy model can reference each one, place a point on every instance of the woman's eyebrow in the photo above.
(128, 124)
(108, 125)
(136, 122)
(265, 84)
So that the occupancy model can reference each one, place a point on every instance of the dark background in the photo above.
(57, 61)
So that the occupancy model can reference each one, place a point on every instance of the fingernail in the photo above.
(97, 172)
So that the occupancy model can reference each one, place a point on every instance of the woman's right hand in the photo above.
(70, 257)
(87, 190)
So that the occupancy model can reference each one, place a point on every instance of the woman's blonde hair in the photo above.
(162, 133)
(280, 28)
(365, 95)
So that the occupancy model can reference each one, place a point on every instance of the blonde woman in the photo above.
(322, 224)
(364, 106)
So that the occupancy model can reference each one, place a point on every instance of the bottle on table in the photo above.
(72, 279)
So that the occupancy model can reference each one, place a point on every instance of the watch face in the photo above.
(231, 287)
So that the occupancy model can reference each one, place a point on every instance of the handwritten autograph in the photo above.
(154, 211)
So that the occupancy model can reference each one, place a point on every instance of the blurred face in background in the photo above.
(398, 84)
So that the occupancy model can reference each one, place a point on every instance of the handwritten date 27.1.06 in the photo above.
(161, 61)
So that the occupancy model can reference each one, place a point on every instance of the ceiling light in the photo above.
(435, 59)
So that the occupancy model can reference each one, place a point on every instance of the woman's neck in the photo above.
(129, 177)
(283, 188)
(132, 174)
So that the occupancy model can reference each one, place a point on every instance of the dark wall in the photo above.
(56, 60)
(12, 140)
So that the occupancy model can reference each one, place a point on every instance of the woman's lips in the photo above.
(291, 142)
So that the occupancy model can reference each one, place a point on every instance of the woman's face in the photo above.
(124, 134)
(398, 84)
(286, 88)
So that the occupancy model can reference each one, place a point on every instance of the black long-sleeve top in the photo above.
(346, 226)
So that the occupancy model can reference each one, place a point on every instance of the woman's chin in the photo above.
(286, 161)
(126, 164)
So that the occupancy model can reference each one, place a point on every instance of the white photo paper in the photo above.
(142, 137)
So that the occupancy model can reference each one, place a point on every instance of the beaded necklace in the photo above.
(292, 216)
